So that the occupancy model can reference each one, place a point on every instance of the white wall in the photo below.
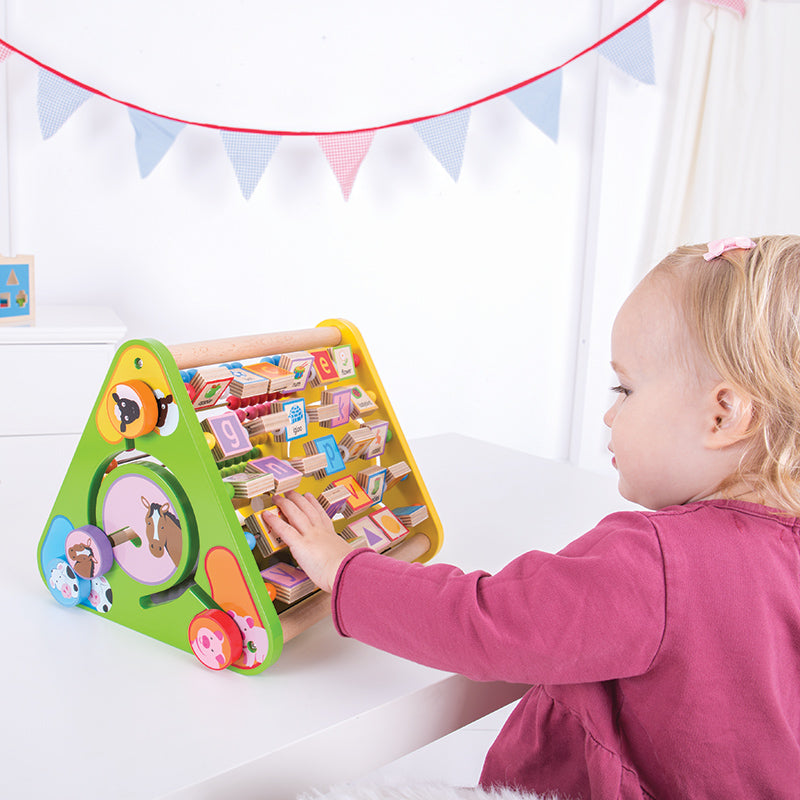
(472, 296)
(628, 159)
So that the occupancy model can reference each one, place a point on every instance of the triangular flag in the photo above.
(4, 53)
(249, 153)
(632, 51)
(445, 137)
(345, 152)
(540, 102)
(154, 136)
(57, 100)
(734, 5)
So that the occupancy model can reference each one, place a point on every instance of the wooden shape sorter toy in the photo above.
(16, 291)
(159, 522)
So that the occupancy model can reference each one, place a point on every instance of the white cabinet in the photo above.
(51, 372)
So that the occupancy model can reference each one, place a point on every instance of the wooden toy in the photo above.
(279, 380)
(333, 458)
(355, 442)
(230, 437)
(362, 403)
(266, 541)
(373, 482)
(396, 473)
(358, 499)
(209, 383)
(89, 552)
(250, 484)
(297, 424)
(310, 465)
(285, 475)
(381, 430)
(341, 399)
(343, 360)
(16, 291)
(215, 639)
(324, 368)
(159, 523)
(411, 515)
(246, 383)
(373, 534)
(291, 583)
(300, 365)
(389, 524)
(333, 499)
(322, 413)
(269, 423)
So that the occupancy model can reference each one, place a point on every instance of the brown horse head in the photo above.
(163, 531)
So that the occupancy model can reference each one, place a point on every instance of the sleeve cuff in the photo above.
(338, 623)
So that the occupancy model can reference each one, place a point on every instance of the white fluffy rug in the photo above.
(425, 791)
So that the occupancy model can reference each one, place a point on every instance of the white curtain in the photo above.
(730, 158)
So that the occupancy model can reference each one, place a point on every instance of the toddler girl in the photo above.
(663, 647)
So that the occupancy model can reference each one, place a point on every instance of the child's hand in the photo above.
(309, 533)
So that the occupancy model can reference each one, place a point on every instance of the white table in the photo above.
(93, 706)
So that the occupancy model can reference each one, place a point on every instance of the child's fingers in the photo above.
(302, 502)
(280, 527)
(314, 509)
(308, 505)
(310, 534)
(303, 513)
(294, 513)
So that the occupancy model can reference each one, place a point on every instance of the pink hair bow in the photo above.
(720, 246)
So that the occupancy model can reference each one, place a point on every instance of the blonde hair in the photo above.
(743, 311)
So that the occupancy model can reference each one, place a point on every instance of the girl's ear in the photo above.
(731, 413)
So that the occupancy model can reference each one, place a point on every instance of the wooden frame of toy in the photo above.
(158, 524)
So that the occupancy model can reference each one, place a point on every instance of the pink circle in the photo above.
(127, 503)
(89, 552)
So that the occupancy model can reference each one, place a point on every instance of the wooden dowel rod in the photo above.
(302, 616)
(121, 536)
(234, 348)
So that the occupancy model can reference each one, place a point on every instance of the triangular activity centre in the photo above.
(160, 521)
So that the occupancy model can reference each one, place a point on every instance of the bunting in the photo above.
(57, 100)
(154, 136)
(629, 48)
(345, 152)
(249, 154)
(632, 51)
(540, 102)
(734, 5)
(446, 137)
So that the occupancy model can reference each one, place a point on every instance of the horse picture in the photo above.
(163, 531)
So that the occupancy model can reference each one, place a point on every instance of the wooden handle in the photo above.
(215, 351)
(121, 536)
(305, 614)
